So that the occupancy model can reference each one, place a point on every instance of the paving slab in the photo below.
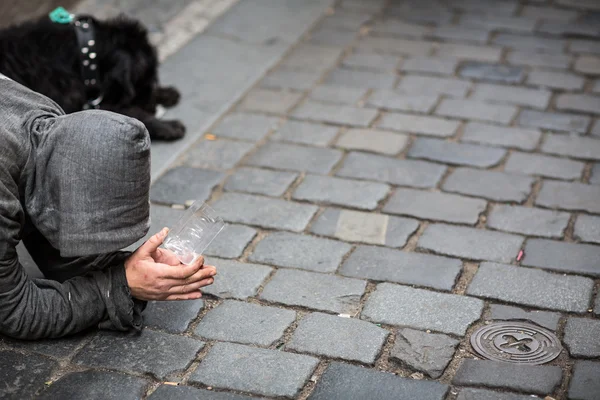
(55, 348)
(484, 394)
(528, 221)
(581, 337)
(456, 153)
(335, 114)
(572, 146)
(221, 154)
(96, 385)
(476, 110)
(377, 141)
(546, 166)
(587, 228)
(492, 72)
(584, 383)
(561, 256)
(338, 94)
(554, 121)
(419, 124)
(231, 242)
(573, 196)
(183, 184)
(397, 101)
(432, 65)
(434, 85)
(236, 280)
(270, 101)
(493, 135)
(180, 392)
(492, 185)
(546, 319)
(295, 158)
(305, 133)
(172, 316)
(360, 79)
(260, 181)
(23, 376)
(535, 98)
(372, 61)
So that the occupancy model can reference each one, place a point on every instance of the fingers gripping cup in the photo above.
(194, 231)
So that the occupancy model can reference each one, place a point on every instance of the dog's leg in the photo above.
(167, 96)
(158, 129)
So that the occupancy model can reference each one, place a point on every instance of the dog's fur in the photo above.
(44, 56)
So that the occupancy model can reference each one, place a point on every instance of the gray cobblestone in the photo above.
(231, 242)
(534, 43)
(493, 185)
(245, 126)
(235, 321)
(394, 100)
(536, 98)
(300, 251)
(461, 33)
(528, 221)
(561, 256)
(336, 337)
(432, 65)
(55, 348)
(470, 109)
(546, 319)
(456, 153)
(572, 146)
(295, 158)
(554, 121)
(332, 37)
(338, 94)
(342, 115)
(360, 79)
(584, 383)
(23, 376)
(588, 65)
(546, 60)
(260, 181)
(584, 46)
(484, 394)
(419, 124)
(96, 385)
(469, 52)
(587, 228)
(286, 78)
(415, 173)
(356, 226)
(492, 72)
(172, 316)
(265, 212)
(427, 352)
(305, 133)
(311, 57)
(578, 102)
(395, 27)
(391, 45)
(499, 22)
(183, 184)
(270, 101)
(434, 85)
(556, 80)
(346, 20)
(539, 379)
(525, 139)
(236, 280)
(551, 167)
(416, 13)
(249, 369)
(422, 309)
(389, 265)
(595, 177)
(596, 128)
(342, 192)
(528, 286)
(217, 154)
(377, 141)
(569, 196)
(436, 206)
(374, 61)
(581, 337)
(180, 392)
(316, 291)
(548, 13)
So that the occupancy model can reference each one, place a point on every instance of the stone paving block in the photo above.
(390, 45)
(471, 243)
(335, 114)
(499, 22)
(287, 78)
(546, 60)
(55, 348)
(548, 13)
(572, 146)
(430, 65)
(311, 57)
(155, 353)
(236, 321)
(525, 139)
(415, 173)
(596, 128)
(22, 376)
(456, 153)
(377, 141)
(300, 251)
(182, 184)
(584, 46)
(436, 206)
(419, 124)
(546, 319)
(346, 20)
(561, 256)
(396, 27)
(427, 352)
(332, 37)
(244, 126)
(389, 265)
(595, 177)
(421, 14)
(305, 133)
(336, 337)
(270, 101)
(483, 394)
(533, 43)
(470, 109)
(569, 196)
(360, 79)
(295, 158)
(584, 383)
(160, 217)
(491, 72)
(231, 242)
(539, 379)
(338, 94)
(315, 291)
(493, 185)
(587, 228)
(588, 65)
(581, 337)
(528, 221)
(263, 211)
(340, 191)
(96, 385)
(364, 227)
(421, 309)
(217, 154)
(461, 34)
(260, 181)
(250, 369)
(172, 316)
(350, 382)
(537, 164)
(361, 6)
(236, 280)
(180, 392)
(497, 8)
(555, 80)
(394, 100)
(374, 61)
(469, 52)
(583, 103)
(434, 85)
(529, 287)
(536, 98)
(554, 121)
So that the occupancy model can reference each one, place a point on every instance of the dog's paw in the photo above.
(168, 130)
(167, 96)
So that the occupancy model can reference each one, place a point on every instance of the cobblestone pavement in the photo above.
(379, 182)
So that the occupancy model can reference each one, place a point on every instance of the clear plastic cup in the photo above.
(194, 231)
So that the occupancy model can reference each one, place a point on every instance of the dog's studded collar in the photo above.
(86, 38)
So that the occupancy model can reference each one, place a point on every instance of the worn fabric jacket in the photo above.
(74, 188)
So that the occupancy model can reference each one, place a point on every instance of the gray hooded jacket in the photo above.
(74, 188)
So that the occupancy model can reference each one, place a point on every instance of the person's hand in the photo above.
(152, 274)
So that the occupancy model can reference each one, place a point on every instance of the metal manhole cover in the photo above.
(516, 342)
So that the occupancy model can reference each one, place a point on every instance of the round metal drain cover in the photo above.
(516, 342)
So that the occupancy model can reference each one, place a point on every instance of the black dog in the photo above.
(115, 69)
